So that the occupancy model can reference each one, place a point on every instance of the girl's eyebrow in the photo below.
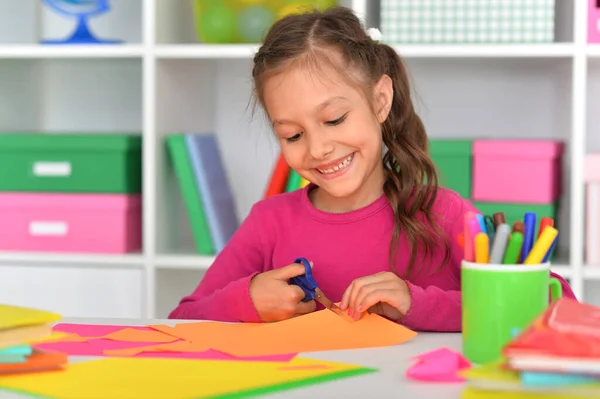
(318, 108)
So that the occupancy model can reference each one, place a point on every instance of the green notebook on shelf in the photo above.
(191, 196)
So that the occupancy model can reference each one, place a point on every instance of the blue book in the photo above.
(213, 186)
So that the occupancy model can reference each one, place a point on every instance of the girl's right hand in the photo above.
(275, 299)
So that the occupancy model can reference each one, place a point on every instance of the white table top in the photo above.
(388, 382)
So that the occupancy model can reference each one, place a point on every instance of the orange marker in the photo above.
(482, 248)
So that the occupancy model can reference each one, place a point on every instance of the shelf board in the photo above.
(208, 51)
(593, 50)
(183, 261)
(72, 259)
(550, 50)
(591, 272)
(71, 51)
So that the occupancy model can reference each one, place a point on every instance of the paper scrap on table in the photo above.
(318, 331)
(125, 378)
(107, 347)
(129, 334)
(37, 361)
(438, 365)
(132, 333)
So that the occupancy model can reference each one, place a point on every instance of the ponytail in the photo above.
(411, 178)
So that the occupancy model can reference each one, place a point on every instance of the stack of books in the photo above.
(20, 327)
(557, 356)
(205, 189)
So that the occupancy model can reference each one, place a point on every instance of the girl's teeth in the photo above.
(342, 165)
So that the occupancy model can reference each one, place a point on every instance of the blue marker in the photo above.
(551, 250)
(529, 235)
(481, 222)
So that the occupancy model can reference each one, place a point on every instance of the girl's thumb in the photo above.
(293, 270)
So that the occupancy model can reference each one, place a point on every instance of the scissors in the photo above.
(311, 289)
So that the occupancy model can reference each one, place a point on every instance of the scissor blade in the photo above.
(328, 303)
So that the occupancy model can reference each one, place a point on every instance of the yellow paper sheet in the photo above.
(18, 316)
(126, 378)
(317, 331)
(471, 393)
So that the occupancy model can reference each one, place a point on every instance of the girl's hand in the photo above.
(275, 299)
(383, 293)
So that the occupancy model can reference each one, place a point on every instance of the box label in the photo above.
(49, 228)
(52, 169)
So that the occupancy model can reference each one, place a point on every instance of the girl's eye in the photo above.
(337, 121)
(295, 137)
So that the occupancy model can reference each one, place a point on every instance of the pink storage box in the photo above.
(594, 21)
(50, 222)
(592, 205)
(517, 171)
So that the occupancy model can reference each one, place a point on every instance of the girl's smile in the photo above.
(336, 168)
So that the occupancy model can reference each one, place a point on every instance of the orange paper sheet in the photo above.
(37, 361)
(136, 335)
(318, 331)
(180, 346)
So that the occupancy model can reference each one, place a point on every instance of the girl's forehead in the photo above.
(312, 79)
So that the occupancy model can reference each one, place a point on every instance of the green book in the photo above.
(191, 196)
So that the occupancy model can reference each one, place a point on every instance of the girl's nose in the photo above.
(320, 148)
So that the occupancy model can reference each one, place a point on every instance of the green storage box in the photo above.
(453, 159)
(74, 162)
(514, 212)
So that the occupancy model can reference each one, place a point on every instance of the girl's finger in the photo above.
(359, 285)
(383, 285)
(346, 297)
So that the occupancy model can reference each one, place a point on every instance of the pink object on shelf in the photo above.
(56, 222)
(594, 21)
(592, 204)
(517, 171)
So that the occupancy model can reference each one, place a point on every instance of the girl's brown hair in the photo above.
(411, 179)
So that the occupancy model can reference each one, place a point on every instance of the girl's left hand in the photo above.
(383, 293)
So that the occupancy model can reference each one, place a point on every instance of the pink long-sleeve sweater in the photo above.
(342, 247)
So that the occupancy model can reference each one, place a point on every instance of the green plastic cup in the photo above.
(498, 299)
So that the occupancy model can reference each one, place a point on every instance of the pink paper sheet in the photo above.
(96, 347)
(93, 330)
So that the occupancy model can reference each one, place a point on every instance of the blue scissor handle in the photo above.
(305, 281)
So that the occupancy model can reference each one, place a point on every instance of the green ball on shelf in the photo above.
(217, 24)
(253, 23)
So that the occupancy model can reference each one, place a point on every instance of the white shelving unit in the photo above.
(163, 81)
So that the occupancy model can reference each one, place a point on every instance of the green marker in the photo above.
(511, 256)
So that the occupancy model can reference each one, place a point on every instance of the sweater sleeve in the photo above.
(223, 294)
(433, 308)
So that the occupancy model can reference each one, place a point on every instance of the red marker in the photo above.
(461, 240)
(546, 221)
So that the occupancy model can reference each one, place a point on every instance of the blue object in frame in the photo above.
(82, 10)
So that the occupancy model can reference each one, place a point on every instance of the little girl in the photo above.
(379, 239)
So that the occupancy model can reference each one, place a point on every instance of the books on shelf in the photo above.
(284, 179)
(205, 189)
(557, 356)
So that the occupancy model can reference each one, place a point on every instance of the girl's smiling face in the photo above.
(329, 133)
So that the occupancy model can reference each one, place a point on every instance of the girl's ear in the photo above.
(384, 95)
